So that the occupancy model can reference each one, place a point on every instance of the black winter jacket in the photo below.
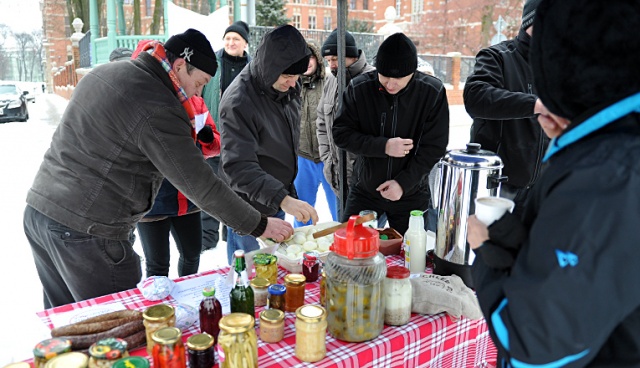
(370, 116)
(500, 97)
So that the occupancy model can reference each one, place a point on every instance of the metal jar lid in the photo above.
(271, 315)
(294, 279)
(200, 342)
(167, 335)
(109, 349)
(132, 362)
(158, 313)
(236, 323)
(473, 157)
(260, 283)
(49, 348)
(68, 360)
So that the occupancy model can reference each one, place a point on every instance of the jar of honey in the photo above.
(294, 297)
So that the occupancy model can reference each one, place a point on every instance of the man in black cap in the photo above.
(571, 297)
(127, 126)
(120, 53)
(396, 121)
(232, 58)
(355, 63)
(501, 98)
(260, 129)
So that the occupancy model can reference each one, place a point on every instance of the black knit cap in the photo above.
(584, 54)
(529, 13)
(195, 49)
(299, 67)
(120, 53)
(397, 56)
(330, 45)
(240, 28)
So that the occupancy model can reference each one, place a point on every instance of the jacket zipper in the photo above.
(394, 125)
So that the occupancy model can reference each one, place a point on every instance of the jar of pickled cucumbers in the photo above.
(355, 272)
(266, 266)
(238, 341)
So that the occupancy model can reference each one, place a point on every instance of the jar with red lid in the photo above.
(397, 295)
(355, 272)
(311, 266)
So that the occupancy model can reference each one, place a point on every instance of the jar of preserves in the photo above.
(266, 266)
(49, 349)
(104, 353)
(323, 289)
(132, 362)
(238, 341)
(311, 266)
(168, 349)
(276, 297)
(201, 351)
(210, 311)
(311, 330)
(355, 272)
(397, 295)
(271, 325)
(294, 297)
(155, 318)
(260, 287)
(74, 359)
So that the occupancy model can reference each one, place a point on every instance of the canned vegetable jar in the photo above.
(168, 349)
(155, 318)
(238, 341)
(311, 331)
(49, 349)
(266, 266)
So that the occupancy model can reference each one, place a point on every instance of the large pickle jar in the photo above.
(238, 341)
(354, 284)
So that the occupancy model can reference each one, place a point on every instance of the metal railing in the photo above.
(84, 47)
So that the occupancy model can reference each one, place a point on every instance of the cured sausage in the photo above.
(79, 342)
(136, 340)
(84, 328)
(113, 315)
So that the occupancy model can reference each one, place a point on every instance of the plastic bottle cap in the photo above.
(398, 272)
(209, 291)
(417, 213)
(277, 289)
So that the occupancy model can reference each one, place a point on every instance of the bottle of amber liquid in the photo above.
(241, 295)
(210, 313)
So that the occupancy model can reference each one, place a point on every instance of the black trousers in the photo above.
(210, 224)
(187, 233)
(75, 266)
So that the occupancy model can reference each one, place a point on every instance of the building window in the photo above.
(327, 23)
(327, 2)
(148, 7)
(352, 4)
(296, 1)
(296, 20)
(312, 22)
(398, 7)
(313, 2)
(365, 5)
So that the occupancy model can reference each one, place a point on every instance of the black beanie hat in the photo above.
(397, 56)
(195, 49)
(120, 53)
(299, 67)
(240, 28)
(330, 45)
(584, 54)
(529, 13)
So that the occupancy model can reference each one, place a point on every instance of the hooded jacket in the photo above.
(123, 131)
(500, 97)
(327, 110)
(260, 127)
(312, 87)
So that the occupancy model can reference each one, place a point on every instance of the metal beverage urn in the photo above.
(462, 176)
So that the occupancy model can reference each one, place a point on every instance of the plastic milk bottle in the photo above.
(415, 244)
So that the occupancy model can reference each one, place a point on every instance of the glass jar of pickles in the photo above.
(168, 349)
(238, 341)
(294, 297)
(266, 266)
(271, 325)
(74, 359)
(311, 330)
(106, 352)
(260, 286)
(276, 297)
(354, 284)
(155, 318)
(200, 350)
(49, 349)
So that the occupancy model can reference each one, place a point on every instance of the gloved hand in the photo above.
(205, 135)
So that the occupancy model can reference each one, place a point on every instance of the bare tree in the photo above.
(5, 60)
(36, 56)
(158, 17)
(23, 40)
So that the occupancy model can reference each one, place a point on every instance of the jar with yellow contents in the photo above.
(106, 352)
(266, 266)
(311, 330)
(155, 318)
(238, 341)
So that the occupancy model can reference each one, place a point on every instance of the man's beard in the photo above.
(334, 72)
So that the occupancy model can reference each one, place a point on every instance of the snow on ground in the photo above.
(22, 146)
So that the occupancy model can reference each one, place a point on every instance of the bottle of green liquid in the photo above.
(242, 294)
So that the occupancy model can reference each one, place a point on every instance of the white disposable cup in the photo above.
(490, 209)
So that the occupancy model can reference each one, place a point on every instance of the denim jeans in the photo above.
(75, 266)
(247, 243)
(307, 182)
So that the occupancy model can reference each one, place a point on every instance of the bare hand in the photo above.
(390, 190)
(477, 232)
(553, 125)
(277, 229)
(398, 147)
(301, 210)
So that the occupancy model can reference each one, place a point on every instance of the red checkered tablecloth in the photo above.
(426, 341)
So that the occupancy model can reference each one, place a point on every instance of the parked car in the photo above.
(13, 103)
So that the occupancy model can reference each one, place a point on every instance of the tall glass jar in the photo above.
(238, 341)
(276, 297)
(311, 330)
(260, 293)
(201, 351)
(397, 296)
(155, 318)
(294, 297)
(266, 266)
(271, 325)
(168, 349)
(104, 353)
(49, 349)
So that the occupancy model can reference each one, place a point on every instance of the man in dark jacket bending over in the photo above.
(396, 120)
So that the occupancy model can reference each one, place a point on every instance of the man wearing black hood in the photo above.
(500, 97)
(571, 296)
(260, 129)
